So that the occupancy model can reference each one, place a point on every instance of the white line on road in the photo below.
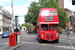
(70, 42)
(62, 46)
(3, 43)
(66, 47)
(40, 44)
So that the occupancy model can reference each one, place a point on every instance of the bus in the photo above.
(47, 22)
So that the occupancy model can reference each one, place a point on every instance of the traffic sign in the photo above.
(17, 20)
(67, 24)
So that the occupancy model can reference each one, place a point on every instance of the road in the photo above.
(4, 42)
(33, 44)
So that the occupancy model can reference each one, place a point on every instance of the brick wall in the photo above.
(60, 3)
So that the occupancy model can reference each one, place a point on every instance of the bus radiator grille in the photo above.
(50, 37)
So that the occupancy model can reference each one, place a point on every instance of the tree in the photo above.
(32, 13)
(26, 25)
(35, 7)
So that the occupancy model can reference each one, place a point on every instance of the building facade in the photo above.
(69, 13)
(5, 20)
(60, 3)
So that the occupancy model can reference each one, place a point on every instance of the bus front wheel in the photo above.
(57, 41)
(40, 41)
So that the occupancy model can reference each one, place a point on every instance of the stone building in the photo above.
(5, 20)
(60, 3)
(69, 13)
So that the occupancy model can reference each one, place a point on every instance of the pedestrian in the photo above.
(68, 32)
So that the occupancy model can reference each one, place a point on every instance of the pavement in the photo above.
(64, 36)
(13, 47)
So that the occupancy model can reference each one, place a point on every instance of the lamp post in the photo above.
(16, 27)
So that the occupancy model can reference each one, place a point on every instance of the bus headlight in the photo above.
(56, 35)
(42, 35)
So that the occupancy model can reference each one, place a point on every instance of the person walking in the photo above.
(68, 32)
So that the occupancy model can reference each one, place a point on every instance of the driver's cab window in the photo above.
(52, 27)
(44, 26)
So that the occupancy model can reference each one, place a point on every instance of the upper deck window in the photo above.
(45, 13)
(53, 13)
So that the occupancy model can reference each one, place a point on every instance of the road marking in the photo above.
(3, 43)
(40, 43)
(62, 46)
(70, 42)
(66, 47)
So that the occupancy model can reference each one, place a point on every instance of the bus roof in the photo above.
(54, 9)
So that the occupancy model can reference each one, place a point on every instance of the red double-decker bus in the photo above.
(47, 22)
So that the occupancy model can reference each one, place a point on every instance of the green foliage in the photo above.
(32, 13)
(62, 18)
(67, 19)
(26, 25)
(35, 7)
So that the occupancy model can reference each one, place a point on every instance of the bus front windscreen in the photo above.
(52, 27)
(44, 26)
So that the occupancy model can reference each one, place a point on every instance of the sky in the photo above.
(20, 7)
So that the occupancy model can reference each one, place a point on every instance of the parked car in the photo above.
(5, 34)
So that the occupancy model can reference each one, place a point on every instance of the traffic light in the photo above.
(73, 2)
(74, 24)
(71, 19)
(16, 30)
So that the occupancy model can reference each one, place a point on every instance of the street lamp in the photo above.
(16, 27)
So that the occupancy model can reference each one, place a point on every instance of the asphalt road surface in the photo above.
(4, 42)
(33, 44)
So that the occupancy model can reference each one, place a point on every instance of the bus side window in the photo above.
(39, 27)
